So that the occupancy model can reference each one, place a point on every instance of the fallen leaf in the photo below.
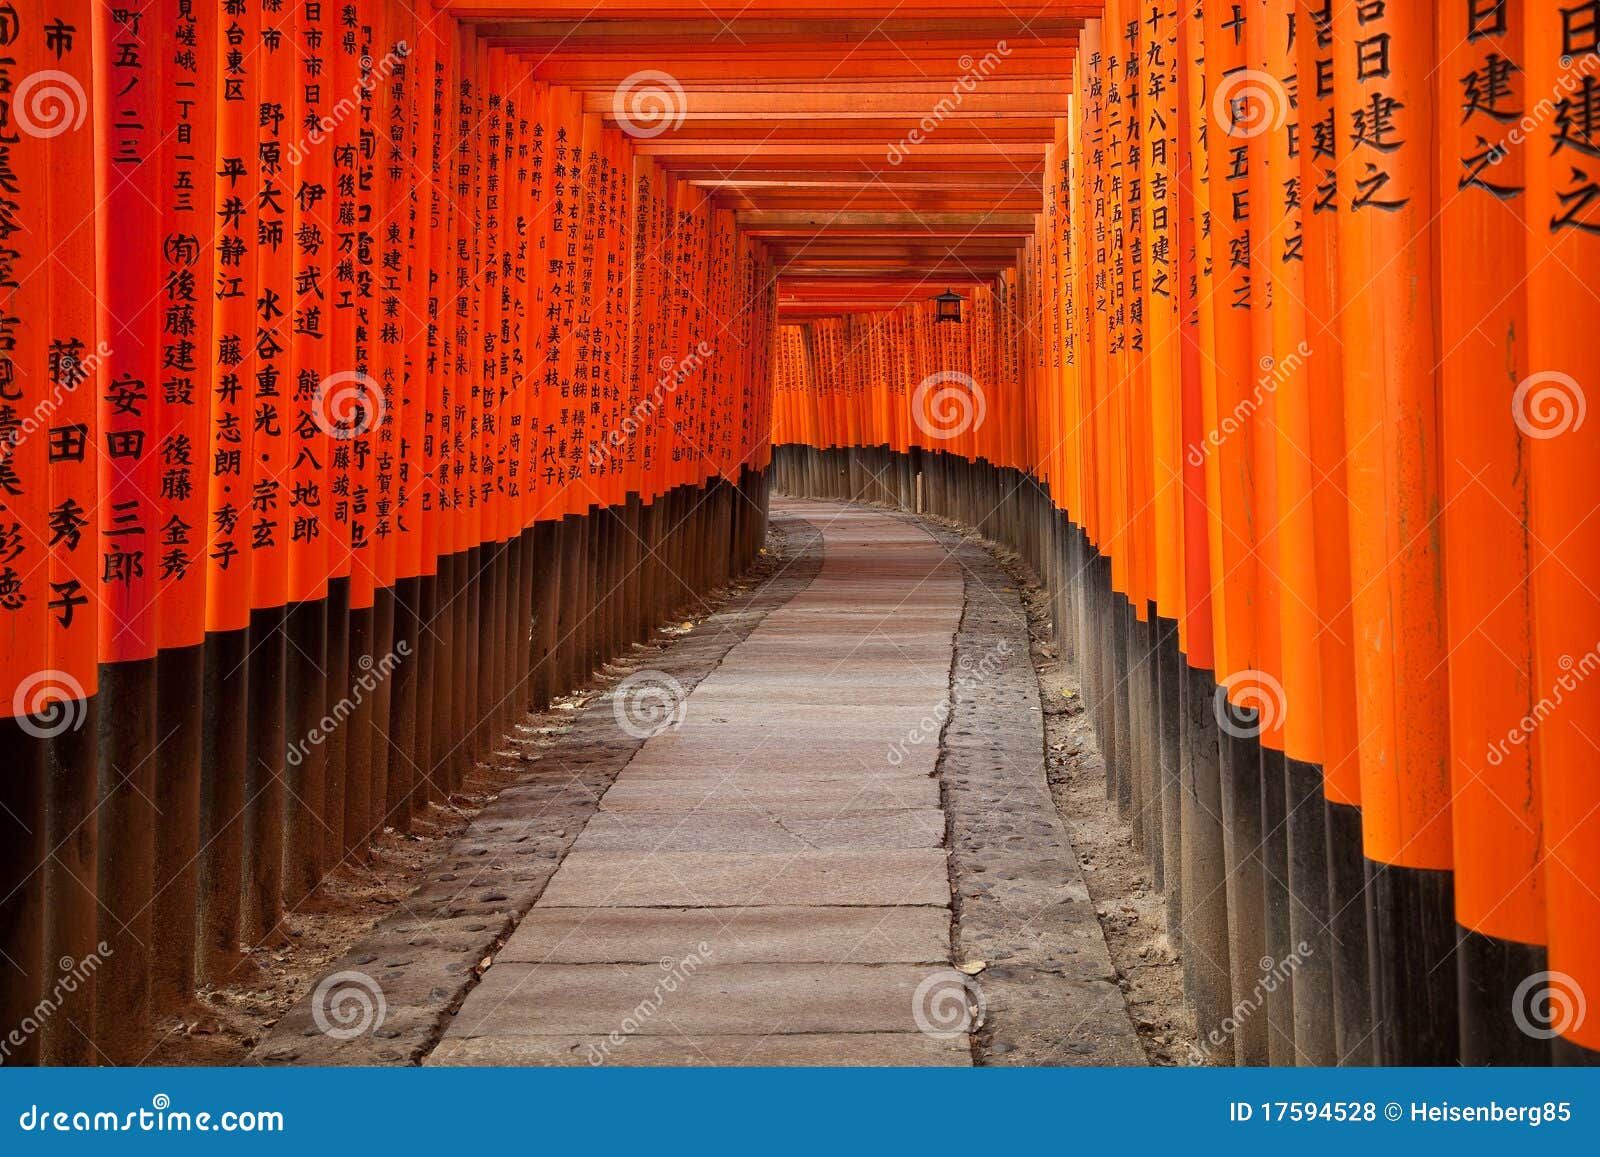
(973, 967)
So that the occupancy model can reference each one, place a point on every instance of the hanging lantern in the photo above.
(949, 306)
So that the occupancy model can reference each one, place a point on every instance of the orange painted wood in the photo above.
(1384, 64)
(1563, 237)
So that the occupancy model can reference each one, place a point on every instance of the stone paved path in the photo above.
(766, 882)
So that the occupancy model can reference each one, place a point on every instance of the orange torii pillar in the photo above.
(1207, 977)
(1384, 75)
(1562, 55)
(1499, 877)
(1322, 142)
(40, 701)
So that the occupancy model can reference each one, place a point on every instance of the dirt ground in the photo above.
(225, 1022)
(1132, 911)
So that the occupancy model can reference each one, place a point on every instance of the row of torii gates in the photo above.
(396, 366)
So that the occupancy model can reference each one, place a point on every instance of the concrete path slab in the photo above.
(766, 882)
(753, 831)
(733, 879)
(897, 1049)
(691, 996)
(764, 935)
(769, 880)
(723, 795)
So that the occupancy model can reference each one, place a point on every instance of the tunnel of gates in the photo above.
(359, 392)
(362, 388)
(1284, 399)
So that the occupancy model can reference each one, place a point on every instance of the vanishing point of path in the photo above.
(836, 848)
